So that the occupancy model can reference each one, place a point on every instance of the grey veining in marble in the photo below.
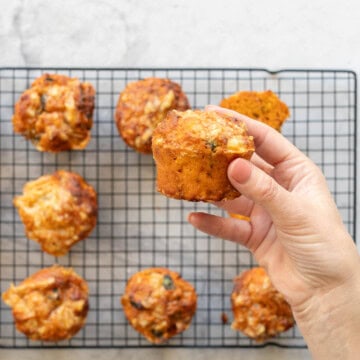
(179, 33)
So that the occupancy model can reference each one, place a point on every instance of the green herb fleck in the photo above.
(157, 333)
(136, 305)
(54, 294)
(168, 282)
(212, 145)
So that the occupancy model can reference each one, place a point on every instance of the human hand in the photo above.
(295, 231)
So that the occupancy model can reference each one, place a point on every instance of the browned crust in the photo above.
(50, 305)
(142, 105)
(55, 113)
(57, 210)
(264, 106)
(159, 304)
(191, 162)
(260, 311)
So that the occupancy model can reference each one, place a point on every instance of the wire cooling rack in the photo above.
(139, 228)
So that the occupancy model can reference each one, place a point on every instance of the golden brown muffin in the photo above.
(263, 106)
(142, 105)
(260, 311)
(159, 304)
(58, 210)
(239, 216)
(192, 151)
(55, 113)
(50, 305)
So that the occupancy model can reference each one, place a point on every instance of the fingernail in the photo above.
(211, 107)
(190, 217)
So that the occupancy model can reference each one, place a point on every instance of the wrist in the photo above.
(330, 320)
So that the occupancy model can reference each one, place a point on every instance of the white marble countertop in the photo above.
(203, 33)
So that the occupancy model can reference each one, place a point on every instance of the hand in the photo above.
(295, 231)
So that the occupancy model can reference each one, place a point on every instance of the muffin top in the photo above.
(50, 305)
(55, 113)
(159, 303)
(260, 311)
(142, 105)
(203, 131)
(57, 210)
(263, 106)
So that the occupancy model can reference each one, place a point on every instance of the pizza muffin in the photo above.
(50, 305)
(260, 311)
(192, 151)
(55, 113)
(57, 210)
(263, 106)
(142, 105)
(159, 304)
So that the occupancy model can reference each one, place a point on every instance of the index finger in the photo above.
(269, 144)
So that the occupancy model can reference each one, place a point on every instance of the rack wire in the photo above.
(139, 228)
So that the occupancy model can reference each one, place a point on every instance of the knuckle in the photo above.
(268, 190)
(220, 229)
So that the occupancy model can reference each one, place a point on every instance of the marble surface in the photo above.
(136, 33)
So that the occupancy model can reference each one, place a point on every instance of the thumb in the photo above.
(259, 187)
